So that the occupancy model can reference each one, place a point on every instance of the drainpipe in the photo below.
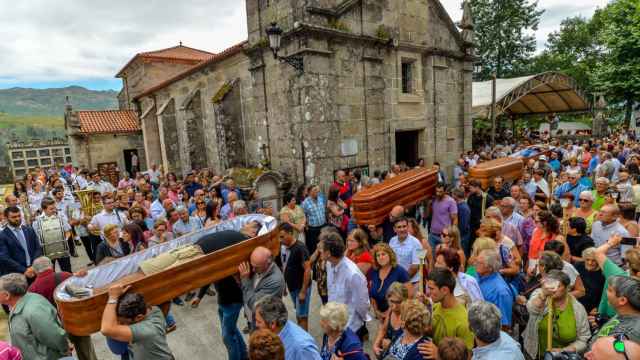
(264, 91)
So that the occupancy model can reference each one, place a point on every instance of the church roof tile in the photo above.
(108, 122)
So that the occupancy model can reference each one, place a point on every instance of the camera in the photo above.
(564, 355)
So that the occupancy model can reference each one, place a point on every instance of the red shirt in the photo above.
(45, 284)
(364, 257)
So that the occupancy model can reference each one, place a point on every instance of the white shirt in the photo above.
(80, 181)
(103, 187)
(104, 218)
(407, 252)
(571, 272)
(347, 285)
(157, 210)
(35, 200)
(154, 175)
(65, 224)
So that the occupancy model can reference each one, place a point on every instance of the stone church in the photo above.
(384, 81)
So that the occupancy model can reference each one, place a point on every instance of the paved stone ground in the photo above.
(198, 335)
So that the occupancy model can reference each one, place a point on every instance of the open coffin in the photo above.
(373, 204)
(82, 316)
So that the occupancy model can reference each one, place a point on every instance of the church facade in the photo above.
(383, 82)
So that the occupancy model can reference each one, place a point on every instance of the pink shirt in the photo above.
(441, 215)
(8, 352)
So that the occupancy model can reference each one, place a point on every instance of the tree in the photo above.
(618, 72)
(504, 37)
(573, 50)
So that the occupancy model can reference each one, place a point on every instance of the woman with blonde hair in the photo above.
(416, 322)
(386, 272)
(509, 254)
(113, 246)
(339, 341)
(450, 237)
(391, 327)
(358, 250)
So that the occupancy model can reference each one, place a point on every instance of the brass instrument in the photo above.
(89, 207)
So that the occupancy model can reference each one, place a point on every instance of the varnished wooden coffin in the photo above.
(509, 168)
(82, 317)
(372, 205)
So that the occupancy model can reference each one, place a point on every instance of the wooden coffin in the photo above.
(509, 168)
(83, 316)
(372, 205)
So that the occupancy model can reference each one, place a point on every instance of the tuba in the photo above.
(87, 204)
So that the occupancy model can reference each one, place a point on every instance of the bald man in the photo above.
(611, 349)
(260, 277)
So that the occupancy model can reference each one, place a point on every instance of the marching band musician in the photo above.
(35, 196)
(79, 179)
(63, 208)
(53, 229)
(108, 215)
(100, 185)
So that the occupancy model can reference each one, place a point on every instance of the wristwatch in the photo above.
(112, 301)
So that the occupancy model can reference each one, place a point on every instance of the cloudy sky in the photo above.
(81, 42)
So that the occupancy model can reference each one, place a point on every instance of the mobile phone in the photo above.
(629, 241)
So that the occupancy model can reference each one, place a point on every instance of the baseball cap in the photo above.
(543, 157)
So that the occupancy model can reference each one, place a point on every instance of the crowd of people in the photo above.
(546, 264)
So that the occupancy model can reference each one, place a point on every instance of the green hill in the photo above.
(27, 114)
(50, 102)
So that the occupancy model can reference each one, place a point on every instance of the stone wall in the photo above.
(142, 75)
(170, 135)
(350, 95)
(88, 152)
(343, 111)
(189, 135)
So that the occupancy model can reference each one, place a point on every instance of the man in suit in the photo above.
(19, 245)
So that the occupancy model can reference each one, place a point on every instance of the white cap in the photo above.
(542, 157)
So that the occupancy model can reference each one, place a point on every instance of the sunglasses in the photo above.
(585, 200)
(444, 235)
(618, 345)
(199, 203)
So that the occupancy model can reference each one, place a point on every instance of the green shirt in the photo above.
(608, 270)
(563, 327)
(149, 341)
(598, 200)
(451, 323)
(35, 329)
(471, 271)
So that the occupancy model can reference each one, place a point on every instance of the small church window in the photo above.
(407, 77)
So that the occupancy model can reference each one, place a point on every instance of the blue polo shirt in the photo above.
(298, 344)
(496, 291)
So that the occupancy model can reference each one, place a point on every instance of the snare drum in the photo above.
(51, 234)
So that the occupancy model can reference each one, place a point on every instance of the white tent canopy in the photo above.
(545, 93)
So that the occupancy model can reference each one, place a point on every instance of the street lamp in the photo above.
(274, 32)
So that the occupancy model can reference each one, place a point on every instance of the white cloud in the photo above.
(75, 40)
(555, 12)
